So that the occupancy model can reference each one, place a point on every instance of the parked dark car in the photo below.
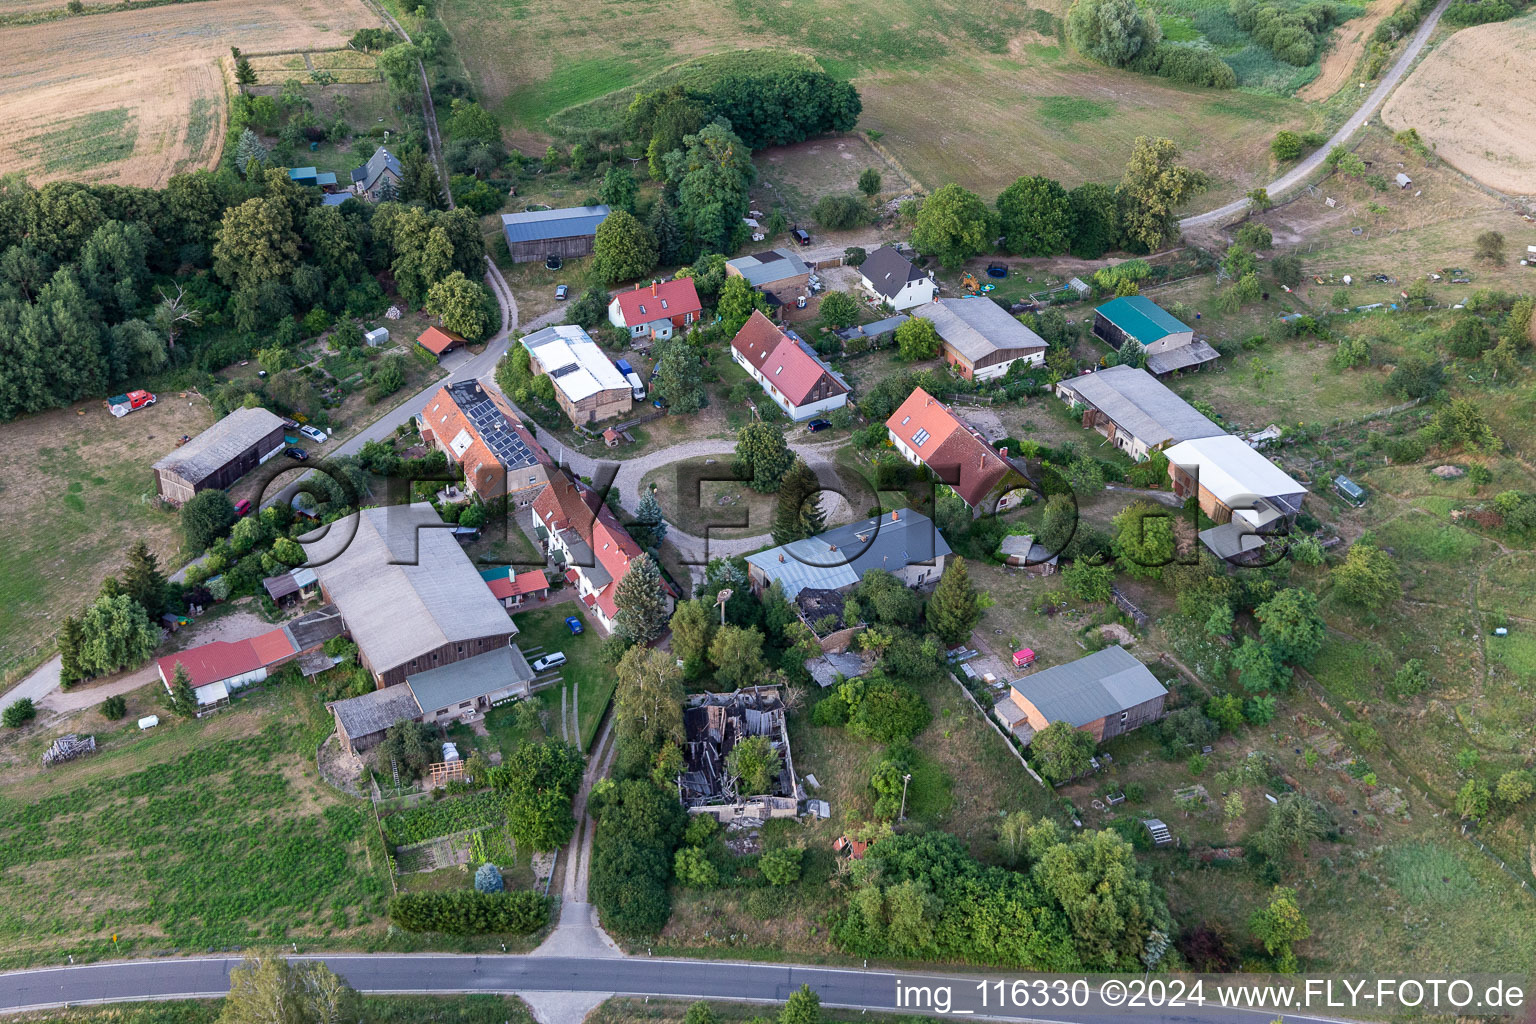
(816, 425)
(296, 453)
(800, 236)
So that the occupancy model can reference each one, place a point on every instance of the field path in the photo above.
(1298, 174)
(428, 111)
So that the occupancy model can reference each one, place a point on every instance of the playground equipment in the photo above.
(968, 282)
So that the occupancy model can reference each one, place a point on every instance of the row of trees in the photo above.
(1125, 34)
(1036, 216)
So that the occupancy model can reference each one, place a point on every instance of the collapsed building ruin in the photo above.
(714, 723)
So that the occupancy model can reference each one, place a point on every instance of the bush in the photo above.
(781, 866)
(1286, 145)
(19, 713)
(488, 879)
(114, 709)
(841, 212)
(467, 912)
(1187, 64)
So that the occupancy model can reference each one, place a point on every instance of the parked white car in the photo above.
(315, 434)
(549, 661)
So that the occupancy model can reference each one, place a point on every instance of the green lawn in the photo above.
(213, 833)
(584, 674)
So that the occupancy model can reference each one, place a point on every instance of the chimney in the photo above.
(637, 286)
(781, 558)
(895, 515)
(653, 286)
(1003, 451)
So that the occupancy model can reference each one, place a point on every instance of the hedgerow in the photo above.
(467, 912)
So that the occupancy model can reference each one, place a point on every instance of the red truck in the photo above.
(122, 405)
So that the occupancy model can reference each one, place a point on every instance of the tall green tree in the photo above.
(799, 513)
(641, 602)
(273, 990)
(622, 248)
(1367, 577)
(469, 120)
(1153, 186)
(917, 339)
(670, 243)
(693, 628)
(1113, 32)
(648, 706)
(738, 300)
(116, 634)
(255, 243)
(143, 581)
(539, 782)
(182, 699)
(619, 189)
(650, 525)
(461, 305)
(205, 517)
(1289, 623)
(712, 174)
(954, 610)
(1036, 217)
(679, 376)
(737, 654)
(1095, 220)
(953, 226)
(762, 456)
(869, 182)
(755, 763)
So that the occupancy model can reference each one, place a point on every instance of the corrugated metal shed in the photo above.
(220, 444)
(1142, 318)
(1082, 691)
(375, 711)
(1136, 402)
(451, 684)
(541, 225)
(977, 327)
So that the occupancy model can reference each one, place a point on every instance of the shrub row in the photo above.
(1188, 64)
(467, 912)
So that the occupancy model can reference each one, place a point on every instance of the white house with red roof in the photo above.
(656, 310)
(216, 668)
(584, 534)
(788, 369)
(927, 433)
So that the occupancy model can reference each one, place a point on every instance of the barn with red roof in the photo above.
(788, 369)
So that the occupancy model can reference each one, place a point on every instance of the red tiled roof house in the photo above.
(216, 668)
(656, 310)
(927, 433)
(586, 536)
(788, 369)
(478, 429)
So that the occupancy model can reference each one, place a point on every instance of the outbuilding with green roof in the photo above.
(1168, 342)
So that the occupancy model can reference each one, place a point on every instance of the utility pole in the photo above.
(904, 780)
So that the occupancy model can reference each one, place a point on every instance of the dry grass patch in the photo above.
(1471, 100)
(136, 96)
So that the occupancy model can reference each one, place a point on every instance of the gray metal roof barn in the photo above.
(220, 455)
(538, 234)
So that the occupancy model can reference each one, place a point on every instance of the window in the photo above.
(1124, 715)
(533, 478)
(461, 648)
(467, 704)
(642, 309)
(905, 420)
(921, 438)
(778, 371)
(663, 303)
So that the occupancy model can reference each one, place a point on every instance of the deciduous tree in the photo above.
(762, 456)
(623, 248)
(737, 654)
(461, 305)
(953, 226)
(917, 339)
(1036, 217)
(1061, 752)
(1151, 190)
(755, 764)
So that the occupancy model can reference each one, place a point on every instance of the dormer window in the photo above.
(663, 303)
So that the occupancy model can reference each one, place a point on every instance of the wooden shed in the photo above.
(540, 234)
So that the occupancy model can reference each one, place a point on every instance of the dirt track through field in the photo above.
(1471, 101)
(137, 96)
(1349, 44)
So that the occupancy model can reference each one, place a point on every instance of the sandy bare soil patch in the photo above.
(1471, 101)
(1349, 43)
(137, 96)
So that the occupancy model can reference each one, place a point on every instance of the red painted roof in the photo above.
(661, 301)
(222, 659)
(952, 448)
(567, 505)
(781, 361)
(437, 341)
(522, 583)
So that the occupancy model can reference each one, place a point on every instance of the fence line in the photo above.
(1007, 740)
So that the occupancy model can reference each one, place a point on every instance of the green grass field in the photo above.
(975, 93)
(584, 674)
(191, 836)
(85, 141)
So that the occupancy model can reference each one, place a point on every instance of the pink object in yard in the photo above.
(1023, 658)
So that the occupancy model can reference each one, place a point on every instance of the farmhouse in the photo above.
(379, 178)
(215, 670)
(588, 387)
(220, 455)
(890, 278)
(1168, 342)
(656, 311)
(981, 339)
(460, 692)
(1106, 694)
(410, 597)
(439, 342)
(904, 543)
(540, 234)
(581, 533)
(1135, 412)
(1243, 492)
(779, 273)
(788, 369)
(927, 433)
(713, 724)
(478, 430)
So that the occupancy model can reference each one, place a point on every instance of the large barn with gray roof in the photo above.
(220, 455)
(540, 234)
(1134, 411)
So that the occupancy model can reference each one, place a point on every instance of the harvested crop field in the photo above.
(1470, 100)
(134, 97)
(347, 67)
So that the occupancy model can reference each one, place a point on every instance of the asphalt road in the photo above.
(1298, 174)
(383, 974)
